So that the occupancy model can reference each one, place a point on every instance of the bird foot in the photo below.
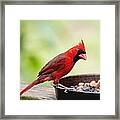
(61, 86)
(58, 85)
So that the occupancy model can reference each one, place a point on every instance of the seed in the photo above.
(98, 90)
(81, 84)
(98, 85)
(79, 87)
(93, 83)
(87, 84)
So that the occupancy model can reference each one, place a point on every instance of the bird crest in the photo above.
(81, 45)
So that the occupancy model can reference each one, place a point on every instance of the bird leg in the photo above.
(58, 85)
(56, 81)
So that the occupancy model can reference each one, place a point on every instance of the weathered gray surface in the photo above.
(40, 92)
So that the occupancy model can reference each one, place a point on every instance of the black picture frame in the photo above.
(70, 2)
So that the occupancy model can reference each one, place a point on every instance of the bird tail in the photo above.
(39, 80)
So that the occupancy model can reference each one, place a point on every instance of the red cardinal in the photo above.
(59, 66)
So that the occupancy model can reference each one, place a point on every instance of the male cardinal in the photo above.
(59, 65)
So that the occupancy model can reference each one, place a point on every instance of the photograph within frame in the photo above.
(40, 40)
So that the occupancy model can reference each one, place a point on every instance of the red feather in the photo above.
(59, 66)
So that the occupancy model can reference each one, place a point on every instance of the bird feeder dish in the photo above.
(62, 94)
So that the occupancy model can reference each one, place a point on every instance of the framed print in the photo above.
(60, 59)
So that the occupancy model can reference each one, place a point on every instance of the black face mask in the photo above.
(76, 58)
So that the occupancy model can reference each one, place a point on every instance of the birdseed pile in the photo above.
(92, 87)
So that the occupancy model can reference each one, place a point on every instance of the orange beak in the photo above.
(83, 56)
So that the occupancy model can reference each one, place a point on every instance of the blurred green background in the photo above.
(41, 40)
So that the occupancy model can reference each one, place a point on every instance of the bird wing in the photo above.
(56, 63)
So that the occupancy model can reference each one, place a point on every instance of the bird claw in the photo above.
(66, 89)
(61, 86)
(58, 85)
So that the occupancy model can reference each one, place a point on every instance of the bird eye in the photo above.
(82, 52)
